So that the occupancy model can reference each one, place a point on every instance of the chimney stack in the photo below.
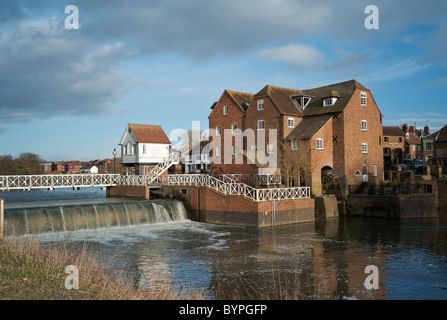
(412, 129)
(405, 128)
(426, 130)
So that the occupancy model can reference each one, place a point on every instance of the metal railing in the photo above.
(228, 186)
(29, 182)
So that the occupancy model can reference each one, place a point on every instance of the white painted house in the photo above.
(143, 146)
(89, 169)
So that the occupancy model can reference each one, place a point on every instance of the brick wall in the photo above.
(321, 158)
(213, 207)
(354, 137)
(272, 120)
(217, 118)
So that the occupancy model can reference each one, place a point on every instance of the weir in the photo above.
(54, 219)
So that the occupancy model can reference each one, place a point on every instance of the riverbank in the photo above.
(32, 271)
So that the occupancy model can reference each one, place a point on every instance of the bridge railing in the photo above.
(230, 187)
(29, 182)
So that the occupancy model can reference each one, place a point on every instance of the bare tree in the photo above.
(295, 164)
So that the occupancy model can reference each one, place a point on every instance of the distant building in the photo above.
(73, 166)
(89, 169)
(197, 160)
(143, 146)
(403, 144)
(393, 146)
(46, 167)
(436, 145)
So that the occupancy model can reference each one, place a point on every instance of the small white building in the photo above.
(89, 169)
(143, 146)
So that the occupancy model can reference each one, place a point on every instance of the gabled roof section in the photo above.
(343, 91)
(442, 135)
(308, 127)
(283, 98)
(433, 135)
(394, 131)
(146, 133)
(242, 99)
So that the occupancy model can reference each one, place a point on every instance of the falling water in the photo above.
(31, 221)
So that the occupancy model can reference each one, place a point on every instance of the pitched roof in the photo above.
(242, 99)
(433, 136)
(283, 98)
(308, 127)
(393, 131)
(412, 139)
(146, 133)
(442, 134)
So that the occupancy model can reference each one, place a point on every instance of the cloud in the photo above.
(397, 70)
(50, 71)
(298, 55)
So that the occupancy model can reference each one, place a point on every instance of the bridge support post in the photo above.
(2, 217)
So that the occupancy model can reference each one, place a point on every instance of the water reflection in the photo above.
(321, 260)
(324, 260)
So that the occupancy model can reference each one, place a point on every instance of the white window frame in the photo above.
(291, 122)
(320, 144)
(234, 128)
(327, 102)
(270, 148)
(218, 151)
(144, 149)
(254, 147)
(374, 170)
(261, 105)
(363, 98)
(295, 144)
(218, 131)
(259, 125)
(364, 125)
(226, 110)
(364, 148)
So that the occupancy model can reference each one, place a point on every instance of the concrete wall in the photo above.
(393, 206)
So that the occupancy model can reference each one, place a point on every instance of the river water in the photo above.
(321, 260)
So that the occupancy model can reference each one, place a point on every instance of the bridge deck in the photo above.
(226, 186)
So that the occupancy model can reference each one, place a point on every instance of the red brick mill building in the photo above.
(335, 128)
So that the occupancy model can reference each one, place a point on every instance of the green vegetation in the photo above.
(26, 163)
(32, 271)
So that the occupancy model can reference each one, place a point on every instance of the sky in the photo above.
(68, 94)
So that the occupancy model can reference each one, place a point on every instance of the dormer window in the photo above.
(302, 101)
(329, 101)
